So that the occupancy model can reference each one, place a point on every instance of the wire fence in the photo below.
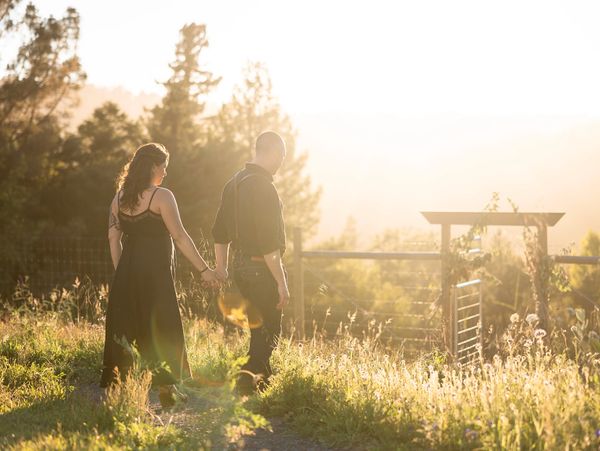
(53, 262)
(395, 300)
(405, 310)
(398, 300)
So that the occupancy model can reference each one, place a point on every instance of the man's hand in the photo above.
(222, 273)
(273, 261)
(210, 278)
(284, 296)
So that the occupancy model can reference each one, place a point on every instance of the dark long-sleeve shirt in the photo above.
(260, 216)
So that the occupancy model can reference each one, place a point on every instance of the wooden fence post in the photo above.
(448, 325)
(298, 297)
(542, 301)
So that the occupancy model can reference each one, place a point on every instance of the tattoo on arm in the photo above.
(113, 221)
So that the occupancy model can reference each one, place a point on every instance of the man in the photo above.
(250, 217)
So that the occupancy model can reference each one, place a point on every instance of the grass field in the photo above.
(343, 392)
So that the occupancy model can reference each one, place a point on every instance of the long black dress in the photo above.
(142, 304)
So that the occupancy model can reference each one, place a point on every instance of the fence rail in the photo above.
(415, 256)
(576, 259)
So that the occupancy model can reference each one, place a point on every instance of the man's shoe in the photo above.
(262, 385)
(245, 384)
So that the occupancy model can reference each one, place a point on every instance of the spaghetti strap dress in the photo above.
(142, 304)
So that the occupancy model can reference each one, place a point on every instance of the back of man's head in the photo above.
(268, 143)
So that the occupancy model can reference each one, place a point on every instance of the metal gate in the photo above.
(467, 320)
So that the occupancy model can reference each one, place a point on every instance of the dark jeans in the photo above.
(259, 288)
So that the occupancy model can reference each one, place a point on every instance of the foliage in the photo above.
(86, 168)
(585, 279)
(50, 368)
(540, 390)
(177, 122)
(59, 182)
(44, 72)
(348, 391)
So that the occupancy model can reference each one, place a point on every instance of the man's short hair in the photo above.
(269, 141)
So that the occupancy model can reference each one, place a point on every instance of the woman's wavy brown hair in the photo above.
(137, 173)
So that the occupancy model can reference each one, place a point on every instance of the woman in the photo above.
(142, 304)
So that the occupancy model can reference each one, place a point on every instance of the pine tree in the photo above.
(177, 123)
(253, 109)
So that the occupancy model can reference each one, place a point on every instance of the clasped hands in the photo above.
(217, 277)
(213, 278)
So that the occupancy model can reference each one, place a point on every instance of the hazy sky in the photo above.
(356, 56)
(416, 105)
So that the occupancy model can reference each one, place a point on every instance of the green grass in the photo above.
(49, 365)
(345, 391)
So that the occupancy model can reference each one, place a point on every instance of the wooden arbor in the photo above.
(541, 221)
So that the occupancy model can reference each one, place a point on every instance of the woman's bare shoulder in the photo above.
(164, 196)
(164, 193)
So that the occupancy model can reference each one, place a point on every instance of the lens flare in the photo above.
(238, 310)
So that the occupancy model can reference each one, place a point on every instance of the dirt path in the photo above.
(202, 416)
(279, 438)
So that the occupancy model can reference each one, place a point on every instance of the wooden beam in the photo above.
(576, 259)
(426, 256)
(492, 218)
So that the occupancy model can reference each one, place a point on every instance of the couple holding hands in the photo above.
(144, 224)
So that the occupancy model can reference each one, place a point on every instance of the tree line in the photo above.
(54, 181)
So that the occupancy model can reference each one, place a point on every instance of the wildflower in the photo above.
(539, 334)
(470, 434)
(598, 433)
(532, 318)
(514, 318)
